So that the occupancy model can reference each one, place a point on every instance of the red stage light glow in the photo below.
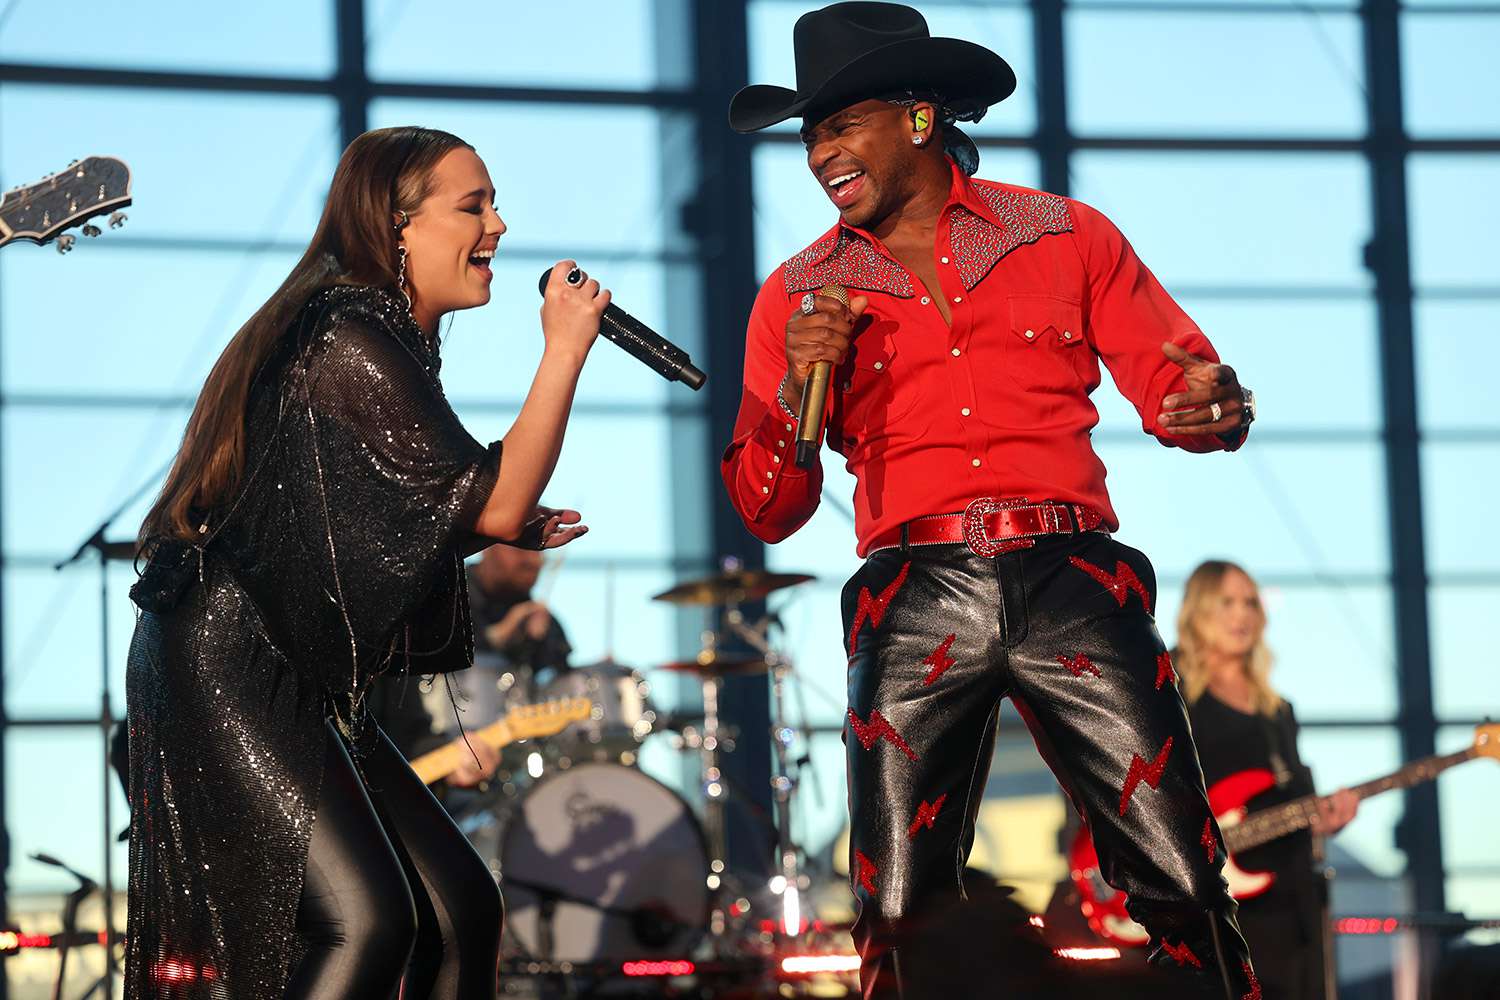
(654, 967)
(15, 941)
(1366, 925)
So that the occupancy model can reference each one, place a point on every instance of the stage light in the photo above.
(534, 764)
(806, 965)
(791, 911)
(1087, 954)
(654, 967)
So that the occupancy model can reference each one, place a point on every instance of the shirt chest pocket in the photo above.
(874, 387)
(1045, 348)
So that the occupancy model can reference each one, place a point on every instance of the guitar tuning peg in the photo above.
(91, 230)
(65, 244)
(117, 219)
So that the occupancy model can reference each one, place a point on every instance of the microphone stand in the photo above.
(86, 887)
(96, 542)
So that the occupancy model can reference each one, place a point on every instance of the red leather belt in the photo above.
(990, 526)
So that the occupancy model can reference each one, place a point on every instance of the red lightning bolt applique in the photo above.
(1120, 583)
(865, 871)
(1164, 672)
(873, 608)
(1254, 993)
(878, 728)
(925, 815)
(1078, 664)
(1141, 771)
(1182, 954)
(939, 660)
(1207, 840)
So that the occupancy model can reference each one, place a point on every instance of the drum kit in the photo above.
(601, 864)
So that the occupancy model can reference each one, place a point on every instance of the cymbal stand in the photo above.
(714, 792)
(783, 782)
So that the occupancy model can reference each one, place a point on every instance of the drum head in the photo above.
(625, 856)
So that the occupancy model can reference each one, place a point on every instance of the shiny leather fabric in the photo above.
(937, 637)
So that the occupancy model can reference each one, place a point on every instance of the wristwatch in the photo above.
(1247, 415)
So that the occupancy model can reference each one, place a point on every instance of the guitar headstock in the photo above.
(1487, 740)
(87, 188)
(548, 717)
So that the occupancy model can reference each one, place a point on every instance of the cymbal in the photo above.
(731, 587)
(712, 663)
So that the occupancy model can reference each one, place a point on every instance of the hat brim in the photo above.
(956, 69)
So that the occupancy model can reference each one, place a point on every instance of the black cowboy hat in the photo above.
(850, 52)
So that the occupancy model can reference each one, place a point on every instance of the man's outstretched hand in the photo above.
(1192, 411)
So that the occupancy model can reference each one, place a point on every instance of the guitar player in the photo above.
(1241, 724)
(508, 624)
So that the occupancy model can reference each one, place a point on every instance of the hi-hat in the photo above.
(731, 587)
(713, 663)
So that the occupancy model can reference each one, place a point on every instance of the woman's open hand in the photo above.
(549, 528)
(571, 313)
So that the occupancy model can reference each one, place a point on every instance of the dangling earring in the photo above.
(401, 276)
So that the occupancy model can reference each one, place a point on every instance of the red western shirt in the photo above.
(930, 416)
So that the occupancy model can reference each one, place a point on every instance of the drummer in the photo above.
(509, 622)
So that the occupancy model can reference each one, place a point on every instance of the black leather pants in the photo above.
(392, 890)
(937, 637)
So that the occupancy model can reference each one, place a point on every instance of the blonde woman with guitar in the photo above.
(1247, 734)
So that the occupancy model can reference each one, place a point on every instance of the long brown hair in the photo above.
(1202, 589)
(383, 172)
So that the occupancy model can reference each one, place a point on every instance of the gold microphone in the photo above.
(815, 398)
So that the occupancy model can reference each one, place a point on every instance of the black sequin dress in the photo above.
(341, 559)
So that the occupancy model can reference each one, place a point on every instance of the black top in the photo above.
(1230, 741)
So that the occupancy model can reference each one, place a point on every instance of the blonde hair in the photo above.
(1203, 588)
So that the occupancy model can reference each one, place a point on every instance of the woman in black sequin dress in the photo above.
(309, 538)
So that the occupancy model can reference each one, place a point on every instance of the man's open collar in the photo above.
(988, 221)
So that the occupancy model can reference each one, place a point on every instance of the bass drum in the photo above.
(622, 859)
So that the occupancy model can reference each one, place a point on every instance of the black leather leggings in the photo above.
(937, 637)
(392, 889)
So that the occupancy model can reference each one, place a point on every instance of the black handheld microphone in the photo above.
(655, 351)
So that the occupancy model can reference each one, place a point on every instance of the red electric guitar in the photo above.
(1104, 906)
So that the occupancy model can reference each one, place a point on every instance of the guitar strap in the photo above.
(1275, 754)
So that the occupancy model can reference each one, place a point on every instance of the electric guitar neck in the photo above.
(1265, 825)
(523, 723)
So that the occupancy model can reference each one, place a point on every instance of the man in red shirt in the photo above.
(962, 365)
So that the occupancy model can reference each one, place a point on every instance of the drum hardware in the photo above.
(607, 863)
(622, 717)
(789, 882)
(731, 587)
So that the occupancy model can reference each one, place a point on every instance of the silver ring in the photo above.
(1217, 411)
(809, 304)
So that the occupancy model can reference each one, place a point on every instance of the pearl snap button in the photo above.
(964, 411)
(976, 463)
(879, 365)
(955, 352)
